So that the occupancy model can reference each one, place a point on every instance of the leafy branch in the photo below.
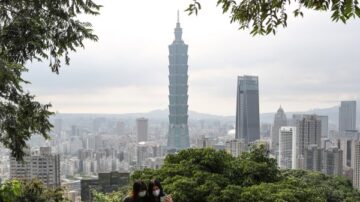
(263, 17)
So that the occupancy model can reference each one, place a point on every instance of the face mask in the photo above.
(156, 192)
(142, 193)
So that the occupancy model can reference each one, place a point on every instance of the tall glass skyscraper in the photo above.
(178, 136)
(347, 116)
(247, 109)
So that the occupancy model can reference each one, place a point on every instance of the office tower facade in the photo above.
(324, 126)
(332, 161)
(356, 164)
(345, 143)
(142, 125)
(309, 132)
(178, 136)
(247, 109)
(308, 128)
(312, 158)
(39, 164)
(280, 120)
(347, 116)
(287, 148)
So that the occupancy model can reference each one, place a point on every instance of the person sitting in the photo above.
(156, 192)
(138, 193)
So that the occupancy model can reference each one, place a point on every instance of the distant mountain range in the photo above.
(332, 112)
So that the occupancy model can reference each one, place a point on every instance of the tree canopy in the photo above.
(34, 30)
(29, 191)
(206, 175)
(265, 16)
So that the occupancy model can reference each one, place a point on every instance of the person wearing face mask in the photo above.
(156, 192)
(138, 194)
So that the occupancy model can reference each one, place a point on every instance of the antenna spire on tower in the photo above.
(178, 16)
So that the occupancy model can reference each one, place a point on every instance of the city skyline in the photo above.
(181, 96)
(113, 76)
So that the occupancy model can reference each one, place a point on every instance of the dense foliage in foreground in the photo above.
(206, 175)
(33, 31)
(29, 191)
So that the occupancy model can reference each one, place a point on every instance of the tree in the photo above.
(34, 30)
(29, 191)
(264, 17)
(110, 197)
(206, 175)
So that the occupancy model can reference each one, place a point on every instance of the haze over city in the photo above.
(162, 106)
(313, 63)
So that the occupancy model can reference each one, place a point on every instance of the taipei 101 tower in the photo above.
(178, 136)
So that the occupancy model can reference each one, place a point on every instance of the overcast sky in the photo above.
(313, 63)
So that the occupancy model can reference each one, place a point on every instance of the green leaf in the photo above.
(357, 11)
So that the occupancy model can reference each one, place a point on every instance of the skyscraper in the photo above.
(355, 159)
(312, 158)
(279, 121)
(178, 136)
(287, 147)
(39, 164)
(324, 126)
(347, 116)
(333, 161)
(142, 129)
(247, 109)
(308, 128)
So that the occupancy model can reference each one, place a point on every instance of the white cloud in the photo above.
(312, 63)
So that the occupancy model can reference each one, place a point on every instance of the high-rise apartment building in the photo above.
(287, 148)
(247, 109)
(308, 128)
(309, 132)
(345, 143)
(39, 164)
(347, 116)
(178, 136)
(324, 126)
(356, 163)
(142, 125)
(332, 161)
(313, 156)
(280, 120)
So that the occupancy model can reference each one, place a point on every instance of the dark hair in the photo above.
(137, 187)
(152, 184)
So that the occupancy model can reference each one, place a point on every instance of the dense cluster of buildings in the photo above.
(306, 144)
(100, 153)
(303, 141)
